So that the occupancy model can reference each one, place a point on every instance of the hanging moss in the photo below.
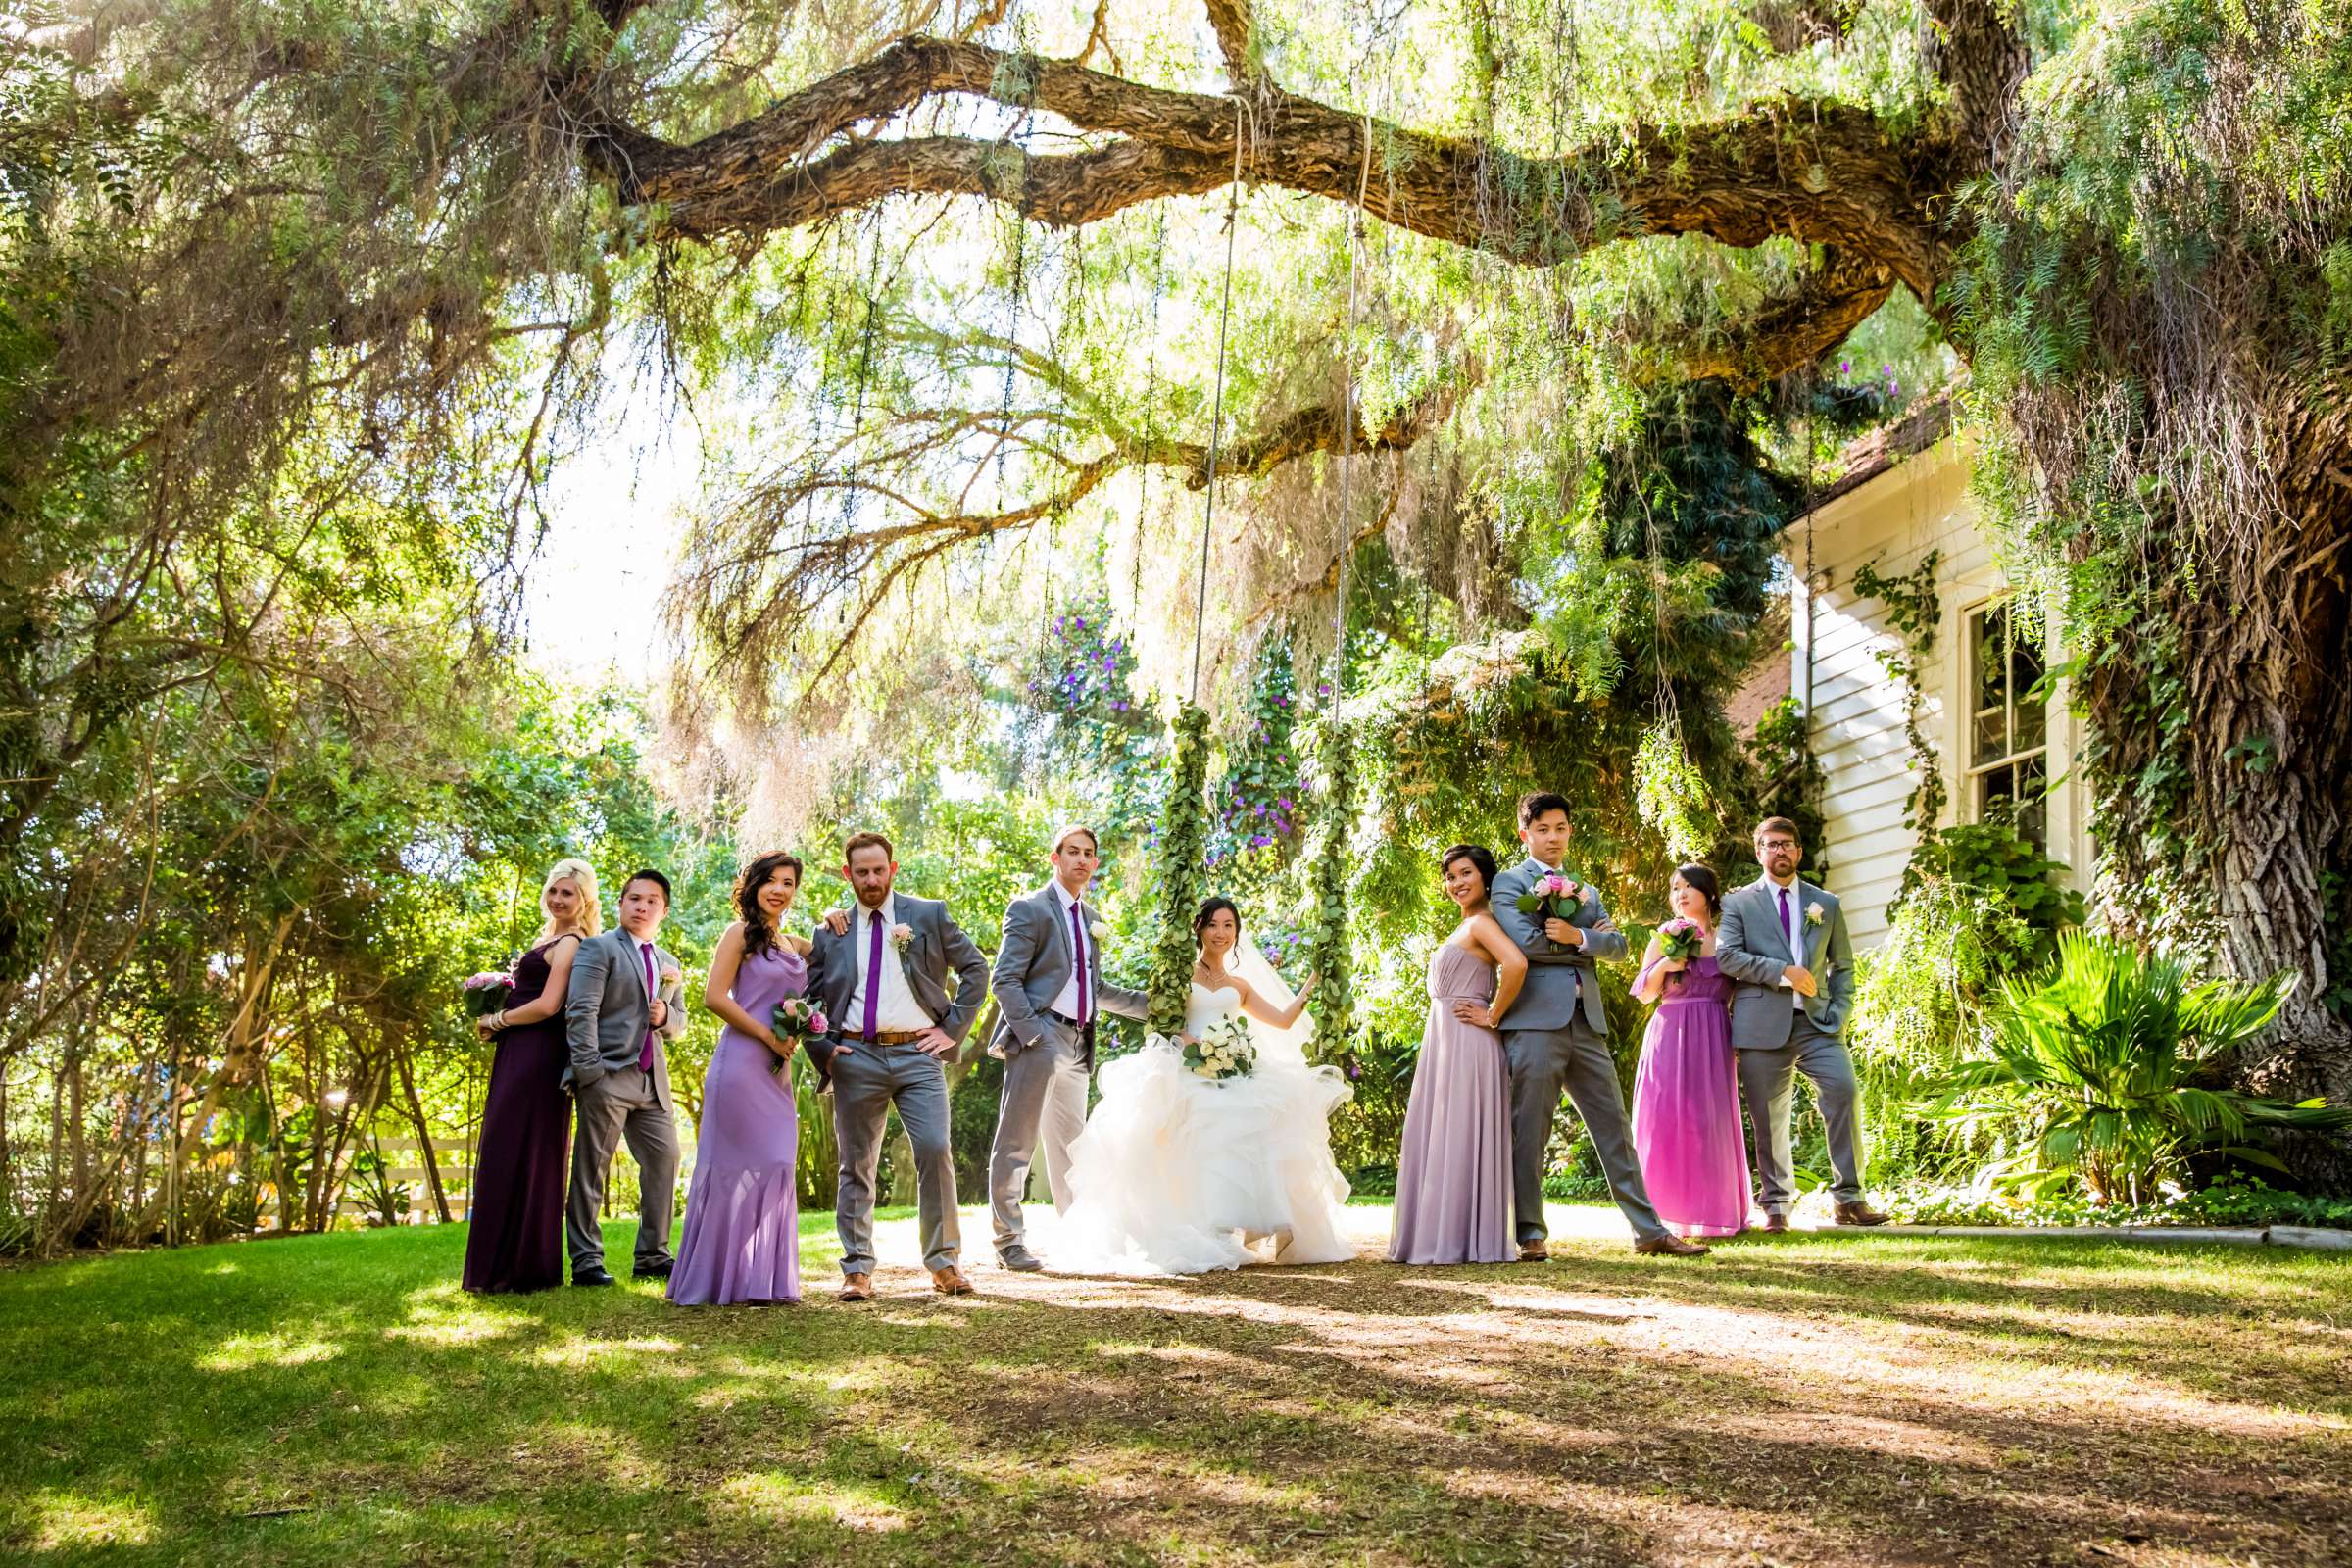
(1182, 838)
(1326, 914)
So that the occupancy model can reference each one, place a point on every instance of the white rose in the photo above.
(1098, 931)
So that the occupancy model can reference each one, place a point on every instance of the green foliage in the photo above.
(2108, 1070)
(2235, 1199)
(1672, 794)
(1994, 860)
(1178, 856)
(1914, 608)
(1330, 864)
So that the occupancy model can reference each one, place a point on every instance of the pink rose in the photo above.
(817, 1024)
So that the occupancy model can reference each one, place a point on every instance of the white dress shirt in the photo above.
(897, 1011)
(1065, 1002)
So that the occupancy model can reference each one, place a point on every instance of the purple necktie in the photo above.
(873, 976)
(1086, 1012)
(644, 1058)
(1788, 926)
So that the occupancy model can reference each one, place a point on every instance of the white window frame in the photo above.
(1972, 774)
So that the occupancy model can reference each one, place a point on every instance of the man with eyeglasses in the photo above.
(1783, 942)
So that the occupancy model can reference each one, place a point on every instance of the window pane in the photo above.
(1991, 738)
(2033, 722)
(2032, 808)
(1996, 794)
(2026, 664)
(1989, 634)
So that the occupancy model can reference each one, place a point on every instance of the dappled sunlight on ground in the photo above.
(1819, 1400)
(65, 1521)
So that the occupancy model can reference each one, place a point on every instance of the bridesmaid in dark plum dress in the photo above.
(742, 1244)
(516, 1237)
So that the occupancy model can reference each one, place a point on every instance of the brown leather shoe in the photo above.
(1859, 1213)
(858, 1288)
(950, 1281)
(1535, 1253)
(1776, 1224)
(1669, 1247)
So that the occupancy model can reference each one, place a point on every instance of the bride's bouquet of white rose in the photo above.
(1225, 1051)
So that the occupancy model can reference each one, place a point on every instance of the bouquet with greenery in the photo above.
(487, 993)
(1679, 937)
(795, 1018)
(1225, 1051)
(1552, 897)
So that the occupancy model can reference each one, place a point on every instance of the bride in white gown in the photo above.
(1180, 1174)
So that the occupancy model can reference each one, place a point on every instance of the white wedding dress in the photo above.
(1180, 1174)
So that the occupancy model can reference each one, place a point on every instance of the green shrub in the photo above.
(2233, 1200)
(2109, 1071)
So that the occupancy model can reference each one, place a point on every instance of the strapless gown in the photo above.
(1178, 1174)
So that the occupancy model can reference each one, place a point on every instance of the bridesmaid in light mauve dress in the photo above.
(1686, 1089)
(742, 1242)
(1454, 1175)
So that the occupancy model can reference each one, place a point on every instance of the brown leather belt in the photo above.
(887, 1037)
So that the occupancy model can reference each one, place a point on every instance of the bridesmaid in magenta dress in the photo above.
(1686, 1089)
(742, 1243)
(515, 1231)
(1454, 1175)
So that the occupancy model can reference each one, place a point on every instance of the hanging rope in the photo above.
(1355, 238)
(1216, 404)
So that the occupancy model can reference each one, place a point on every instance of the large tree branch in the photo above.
(1834, 299)
(1825, 174)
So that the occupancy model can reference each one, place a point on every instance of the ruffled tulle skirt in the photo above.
(1177, 1174)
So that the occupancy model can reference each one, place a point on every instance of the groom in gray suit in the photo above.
(1049, 992)
(1557, 1034)
(622, 1004)
(883, 986)
(1783, 942)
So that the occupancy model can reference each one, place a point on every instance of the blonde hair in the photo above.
(582, 875)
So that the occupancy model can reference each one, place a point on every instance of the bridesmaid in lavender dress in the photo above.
(1686, 1089)
(1454, 1177)
(515, 1218)
(742, 1242)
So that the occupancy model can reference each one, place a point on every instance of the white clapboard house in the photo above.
(1903, 492)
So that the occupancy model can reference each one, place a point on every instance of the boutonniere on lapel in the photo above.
(1098, 931)
(671, 975)
(1813, 917)
(902, 937)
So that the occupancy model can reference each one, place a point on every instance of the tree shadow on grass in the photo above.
(1607, 1409)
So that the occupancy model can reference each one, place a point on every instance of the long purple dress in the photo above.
(1453, 1176)
(743, 1217)
(514, 1235)
(1686, 1107)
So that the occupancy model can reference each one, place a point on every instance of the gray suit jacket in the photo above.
(1033, 963)
(1751, 948)
(1555, 974)
(606, 1008)
(937, 947)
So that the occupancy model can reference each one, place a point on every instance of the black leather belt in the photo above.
(1063, 1017)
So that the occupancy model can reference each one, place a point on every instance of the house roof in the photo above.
(1880, 451)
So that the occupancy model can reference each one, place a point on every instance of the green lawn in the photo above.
(1831, 1399)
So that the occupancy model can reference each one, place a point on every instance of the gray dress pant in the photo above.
(1768, 1085)
(869, 1079)
(1576, 1057)
(621, 1106)
(1045, 1093)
